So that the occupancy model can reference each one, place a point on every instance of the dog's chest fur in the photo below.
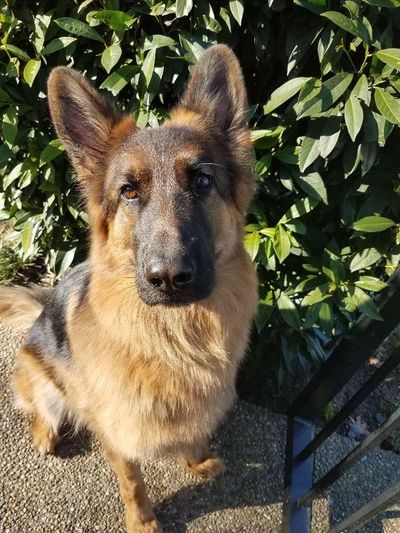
(168, 383)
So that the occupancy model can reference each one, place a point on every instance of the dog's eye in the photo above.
(129, 192)
(203, 181)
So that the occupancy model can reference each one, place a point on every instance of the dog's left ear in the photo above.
(216, 90)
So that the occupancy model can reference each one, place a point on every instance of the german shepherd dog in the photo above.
(142, 341)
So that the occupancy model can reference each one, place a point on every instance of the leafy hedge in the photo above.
(323, 81)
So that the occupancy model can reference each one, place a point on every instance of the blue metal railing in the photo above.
(348, 356)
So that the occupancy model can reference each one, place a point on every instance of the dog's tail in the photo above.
(20, 306)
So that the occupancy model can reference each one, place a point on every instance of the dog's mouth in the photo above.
(173, 299)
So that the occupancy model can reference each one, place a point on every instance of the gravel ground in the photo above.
(75, 491)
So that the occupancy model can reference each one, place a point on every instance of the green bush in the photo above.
(323, 82)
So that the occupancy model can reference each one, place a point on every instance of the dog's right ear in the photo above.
(82, 117)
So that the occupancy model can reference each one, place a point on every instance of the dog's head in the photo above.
(166, 204)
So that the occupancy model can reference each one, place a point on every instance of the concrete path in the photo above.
(75, 492)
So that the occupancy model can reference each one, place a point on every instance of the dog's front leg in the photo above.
(201, 461)
(139, 514)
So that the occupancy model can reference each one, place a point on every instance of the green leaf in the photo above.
(331, 90)
(316, 6)
(271, 133)
(158, 41)
(365, 304)
(383, 3)
(353, 116)
(326, 317)
(12, 176)
(263, 164)
(15, 51)
(30, 71)
(390, 56)
(377, 128)
(269, 232)
(370, 283)
(329, 136)
(316, 295)
(309, 152)
(303, 206)
(10, 125)
(183, 8)
(341, 21)
(4, 97)
(84, 4)
(296, 226)
(312, 316)
(57, 44)
(284, 93)
(77, 27)
(224, 14)
(52, 150)
(361, 91)
(252, 244)
(338, 84)
(289, 312)
(67, 261)
(314, 186)
(237, 9)
(373, 224)
(364, 259)
(289, 155)
(281, 243)
(387, 105)
(111, 56)
(116, 20)
(148, 65)
(332, 267)
(118, 79)
(211, 24)
(356, 28)
(368, 156)
(27, 236)
(265, 308)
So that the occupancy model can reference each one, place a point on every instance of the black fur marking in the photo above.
(48, 335)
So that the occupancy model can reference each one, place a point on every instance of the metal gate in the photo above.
(302, 442)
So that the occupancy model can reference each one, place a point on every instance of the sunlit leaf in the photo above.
(77, 27)
(353, 115)
(284, 93)
(111, 56)
(364, 259)
(237, 9)
(252, 244)
(288, 310)
(30, 71)
(390, 56)
(58, 44)
(388, 105)
(281, 243)
(373, 224)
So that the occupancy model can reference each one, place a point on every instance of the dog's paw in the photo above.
(208, 469)
(144, 527)
(44, 439)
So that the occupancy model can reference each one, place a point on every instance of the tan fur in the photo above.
(39, 394)
(148, 380)
(20, 306)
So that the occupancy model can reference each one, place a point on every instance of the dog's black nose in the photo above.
(167, 276)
